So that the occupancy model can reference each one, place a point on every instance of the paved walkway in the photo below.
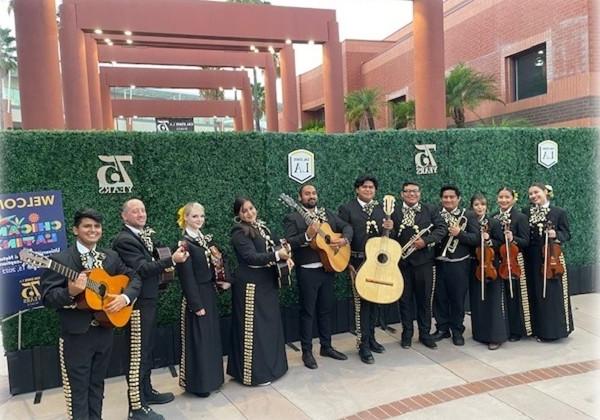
(521, 380)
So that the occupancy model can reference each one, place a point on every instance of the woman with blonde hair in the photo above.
(201, 368)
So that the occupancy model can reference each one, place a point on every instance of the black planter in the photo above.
(291, 323)
(164, 353)
(226, 334)
(342, 319)
(33, 369)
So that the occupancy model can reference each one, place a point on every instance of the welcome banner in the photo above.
(32, 220)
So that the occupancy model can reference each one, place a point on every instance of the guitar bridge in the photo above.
(385, 283)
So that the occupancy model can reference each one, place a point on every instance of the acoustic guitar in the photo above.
(98, 286)
(333, 259)
(168, 274)
(379, 279)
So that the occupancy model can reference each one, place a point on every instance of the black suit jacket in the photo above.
(558, 217)
(134, 253)
(295, 229)
(467, 238)
(519, 228)
(55, 293)
(428, 215)
(353, 214)
(194, 271)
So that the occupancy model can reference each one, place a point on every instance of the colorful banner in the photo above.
(27, 220)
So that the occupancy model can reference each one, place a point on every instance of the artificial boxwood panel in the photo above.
(170, 169)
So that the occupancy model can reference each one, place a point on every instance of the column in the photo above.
(430, 86)
(289, 89)
(333, 81)
(247, 123)
(108, 122)
(74, 72)
(93, 73)
(39, 73)
(270, 94)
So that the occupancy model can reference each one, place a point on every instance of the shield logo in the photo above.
(548, 153)
(301, 165)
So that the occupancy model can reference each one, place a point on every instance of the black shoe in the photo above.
(440, 335)
(144, 413)
(202, 394)
(309, 360)
(545, 340)
(428, 342)
(365, 355)
(156, 397)
(333, 353)
(458, 339)
(406, 340)
(514, 337)
(376, 347)
(494, 346)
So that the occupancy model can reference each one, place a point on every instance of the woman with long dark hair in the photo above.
(258, 344)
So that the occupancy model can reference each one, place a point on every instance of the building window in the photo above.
(529, 72)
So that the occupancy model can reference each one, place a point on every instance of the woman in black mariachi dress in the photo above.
(517, 305)
(258, 345)
(201, 367)
(552, 316)
(489, 319)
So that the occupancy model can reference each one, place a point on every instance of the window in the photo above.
(529, 72)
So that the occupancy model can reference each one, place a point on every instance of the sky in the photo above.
(357, 19)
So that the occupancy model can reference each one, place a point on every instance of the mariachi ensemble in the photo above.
(432, 260)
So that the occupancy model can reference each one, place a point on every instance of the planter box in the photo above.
(33, 369)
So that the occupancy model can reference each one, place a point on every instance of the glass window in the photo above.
(529, 72)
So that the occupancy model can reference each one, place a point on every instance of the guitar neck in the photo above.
(72, 275)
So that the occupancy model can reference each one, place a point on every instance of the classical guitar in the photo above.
(168, 274)
(379, 279)
(332, 258)
(95, 296)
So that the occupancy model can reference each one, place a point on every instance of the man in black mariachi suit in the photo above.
(411, 218)
(84, 345)
(366, 217)
(135, 246)
(315, 285)
(453, 267)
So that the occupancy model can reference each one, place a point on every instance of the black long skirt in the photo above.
(258, 344)
(517, 305)
(552, 316)
(201, 368)
(489, 318)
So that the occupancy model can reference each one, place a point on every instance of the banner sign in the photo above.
(174, 124)
(27, 220)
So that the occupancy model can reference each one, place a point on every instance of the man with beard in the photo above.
(315, 285)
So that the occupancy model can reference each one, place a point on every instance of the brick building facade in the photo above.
(544, 55)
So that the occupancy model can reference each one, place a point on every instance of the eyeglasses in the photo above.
(411, 191)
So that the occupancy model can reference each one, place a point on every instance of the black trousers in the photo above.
(316, 293)
(84, 360)
(452, 284)
(368, 313)
(417, 298)
(141, 343)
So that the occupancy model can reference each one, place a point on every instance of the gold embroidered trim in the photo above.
(356, 296)
(65, 379)
(182, 361)
(135, 344)
(565, 287)
(524, 295)
(248, 333)
(433, 278)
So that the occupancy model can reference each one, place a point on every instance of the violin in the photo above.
(216, 258)
(552, 254)
(485, 257)
(509, 265)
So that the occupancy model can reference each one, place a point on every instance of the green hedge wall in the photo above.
(170, 169)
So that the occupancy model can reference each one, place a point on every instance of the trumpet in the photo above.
(409, 247)
(452, 243)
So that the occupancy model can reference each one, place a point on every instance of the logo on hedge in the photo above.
(301, 165)
(30, 291)
(424, 160)
(548, 153)
(113, 178)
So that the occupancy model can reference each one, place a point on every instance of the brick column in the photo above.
(430, 88)
(93, 73)
(271, 95)
(108, 121)
(74, 70)
(333, 82)
(39, 74)
(247, 123)
(289, 89)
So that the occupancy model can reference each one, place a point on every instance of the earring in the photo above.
(236, 219)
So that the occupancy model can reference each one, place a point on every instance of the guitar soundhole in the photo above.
(382, 258)
(327, 239)
(102, 290)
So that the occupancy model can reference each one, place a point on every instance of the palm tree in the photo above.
(466, 88)
(403, 114)
(362, 104)
(8, 63)
(258, 102)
